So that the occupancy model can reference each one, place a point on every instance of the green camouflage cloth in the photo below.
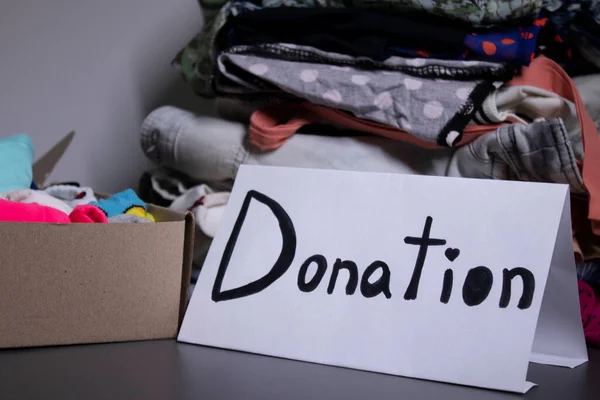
(196, 61)
(475, 11)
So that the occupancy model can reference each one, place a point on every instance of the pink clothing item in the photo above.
(11, 211)
(592, 328)
(88, 214)
(270, 127)
(590, 314)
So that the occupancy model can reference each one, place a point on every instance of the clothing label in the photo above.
(455, 280)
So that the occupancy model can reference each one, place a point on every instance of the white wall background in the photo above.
(95, 66)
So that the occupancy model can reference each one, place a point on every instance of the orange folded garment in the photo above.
(271, 126)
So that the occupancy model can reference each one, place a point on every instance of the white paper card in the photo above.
(424, 277)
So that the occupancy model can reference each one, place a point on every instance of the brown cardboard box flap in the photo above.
(44, 166)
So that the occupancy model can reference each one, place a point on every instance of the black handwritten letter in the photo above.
(314, 282)
(528, 287)
(477, 286)
(352, 279)
(447, 286)
(381, 285)
(423, 242)
(283, 262)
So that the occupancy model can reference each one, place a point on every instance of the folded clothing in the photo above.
(125, 202)
(491, 11)
(196, 61)
(543, 77)
(170, 125)
(515, 45)
(16, 162)
(572, 37)
(542, 151)
(271, 126)
(11, 211)
(72, 195)
(353, 32)
(378, 36)
(28, 196)
(421, 67)
(433, 110)
(546, 74)
(477, 12)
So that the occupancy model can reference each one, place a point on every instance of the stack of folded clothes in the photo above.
(417, 72)
(449, 88)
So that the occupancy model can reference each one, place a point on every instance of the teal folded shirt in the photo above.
(16, 162)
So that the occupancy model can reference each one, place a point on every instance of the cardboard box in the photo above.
(93, 283)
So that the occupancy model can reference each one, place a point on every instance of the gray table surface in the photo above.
(169, 370)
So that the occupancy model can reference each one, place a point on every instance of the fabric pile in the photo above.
(22, 201)
(343, 67)
(570, 34)
(446, 88)
(589, 304)
(589, 299)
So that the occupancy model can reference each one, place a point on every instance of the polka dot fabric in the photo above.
(516, 45)
(259, 69)
(433, 110)
(590, 314)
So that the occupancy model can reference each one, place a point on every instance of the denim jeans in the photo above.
(211, 150)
